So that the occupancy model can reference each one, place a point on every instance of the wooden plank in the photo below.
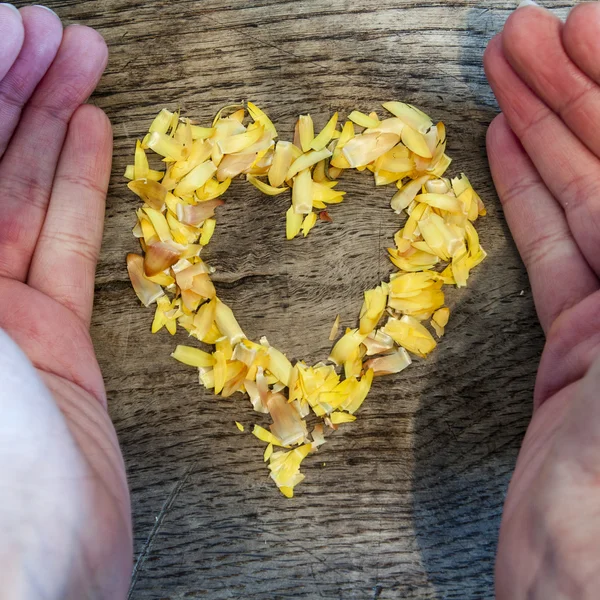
(405, 503)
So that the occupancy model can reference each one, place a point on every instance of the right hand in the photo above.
(544, 153)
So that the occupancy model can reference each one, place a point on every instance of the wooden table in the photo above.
(406, 502)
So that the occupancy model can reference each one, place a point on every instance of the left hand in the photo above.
(55, 159)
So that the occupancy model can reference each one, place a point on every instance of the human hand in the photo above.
(544, 153)
(55, 157)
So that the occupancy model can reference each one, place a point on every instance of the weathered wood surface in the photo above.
(406, 502)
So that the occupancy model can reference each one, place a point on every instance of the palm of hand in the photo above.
(55, 156)
(546, 78)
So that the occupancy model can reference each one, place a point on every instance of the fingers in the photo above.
(43, 33)
(567, 167)
(573, 344)
(581, 39)
(11, 37)
(64, 260)
(532, 45)
(29, 163)
(560, 276)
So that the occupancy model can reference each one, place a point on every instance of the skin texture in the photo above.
(65, 506)
(544, 152)
(55, 156)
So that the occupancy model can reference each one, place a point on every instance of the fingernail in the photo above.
(11, 7)
(46, 8)
(527, 3)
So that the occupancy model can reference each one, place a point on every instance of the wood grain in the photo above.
(406, 502)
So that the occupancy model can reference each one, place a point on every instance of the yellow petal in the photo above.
(260, 117)
(390, 363)
(407, 193)
(201, 133)
(306, 161)
(220, 371)
(205, 318)
(416, 142)
(341, 417)
(346, 135)
(279, 365)
(146, 290)
(302, 193)
(410, 334)
(167, 146)
(345, 346)
(359, 393)
(241, 141)
(266, 188)
(306, 132)
(363, 120)
(367, 147)
(151, 192)
(326, 134)
(308, 223)
(266, 436)
(212, 189)
(293, 223)
(162, 121)
(195, 179)
(442, 201)
(227, 323)
(159, 222)
(268, 452)
(411, 115)
(441, 316)
(283, 157)
(372, 308)
(141, 167)
(194, 357)
(442, 166)
(334, 329)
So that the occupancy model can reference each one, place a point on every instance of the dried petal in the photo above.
(241, 141)
(407, 193)
(416, 142)
(390, 363)
(334, 329)
(265, 188)
(410, 334)
(293, 223)
(227, 323)
(308, 223)
(363, 120)
(306, 132)
(151, 192)
(194, 357)
(195, 179)
(302, 193)
(196, 215)
(326, 134)
(146, 290)
(161, 122)
(283, 158)
(167, 146)
(160, 256)
(411, 115)
(307, 160)
(346, 346)
(365, 148)
(378, 342)
(287, 425)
